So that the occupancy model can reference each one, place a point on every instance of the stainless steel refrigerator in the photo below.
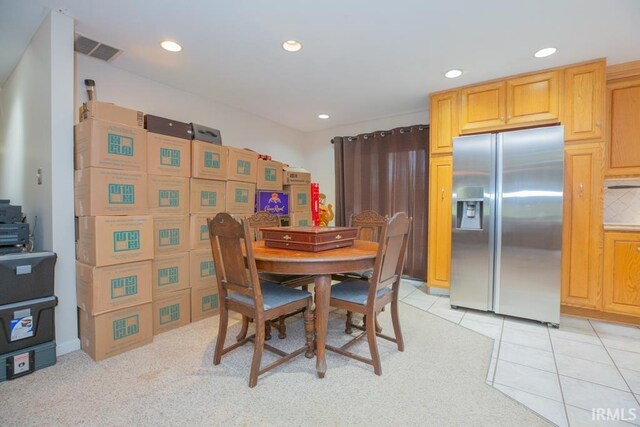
(507, 222)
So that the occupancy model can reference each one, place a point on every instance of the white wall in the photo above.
(319, 150)
(238, 128)
(36, 131)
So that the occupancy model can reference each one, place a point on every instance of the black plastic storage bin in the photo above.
(26, 276)
(27, 323)
(23, 362)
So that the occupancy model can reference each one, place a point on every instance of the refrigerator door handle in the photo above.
(498, 225)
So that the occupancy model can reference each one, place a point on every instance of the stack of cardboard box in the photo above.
(297, 184)
(169, 168)
(115, 232)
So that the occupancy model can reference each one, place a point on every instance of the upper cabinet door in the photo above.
(444, 122)
(482, 107)
(533, 98)
(623, 154)
(584, 102)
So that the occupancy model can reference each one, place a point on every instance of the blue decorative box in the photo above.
(274, 202)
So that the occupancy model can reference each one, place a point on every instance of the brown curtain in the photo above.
(386, 171)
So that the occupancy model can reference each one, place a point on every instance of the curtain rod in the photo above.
(383, 133)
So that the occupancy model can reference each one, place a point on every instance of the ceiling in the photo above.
(362, 59)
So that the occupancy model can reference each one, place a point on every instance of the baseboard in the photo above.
(440, 292)
(599, 315)
(67, 347)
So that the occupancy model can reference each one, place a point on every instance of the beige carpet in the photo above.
(438, 380)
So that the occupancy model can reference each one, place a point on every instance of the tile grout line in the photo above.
(499, 343)
(555, 362)
(615, 364)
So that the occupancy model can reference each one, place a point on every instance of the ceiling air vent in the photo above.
(95, 49)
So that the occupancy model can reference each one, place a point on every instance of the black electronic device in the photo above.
(14, 234)
(9, 213)
(206, 134)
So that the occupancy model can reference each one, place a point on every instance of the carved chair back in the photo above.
(389, 263)
(259, 220)
(369, 225)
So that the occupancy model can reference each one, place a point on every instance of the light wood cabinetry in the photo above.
(534, 98)
(482, 107)
(444, 122)
(581, 226)
(623, 153)
(621, 281)
(584, 102)
(439, 254)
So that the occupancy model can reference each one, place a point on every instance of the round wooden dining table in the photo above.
(360, 256)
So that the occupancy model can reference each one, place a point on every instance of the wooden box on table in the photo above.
(309, 239)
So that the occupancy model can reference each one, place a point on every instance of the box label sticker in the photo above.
(169, 313)
(243, 167)
(21, 363)
(302, 199)
(303, 222)
(270, 174)
(126, 240)
(120, 145)
(126, 327)
(209, 302)
(124, 286)
(168, 198)
(242, 195)
(169, 237)
(168, 275)
(208, 198)
(21, 328)
(121, 194)
(211, 160)
(204, 232)
(169, 157)
(207, 269)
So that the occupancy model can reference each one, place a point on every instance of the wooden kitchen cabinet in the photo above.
(584, 102)
(439, 240)
(581, 226)
(482, 107)
(443, 122)
(534, 98)
(621, 281)
(623, 153)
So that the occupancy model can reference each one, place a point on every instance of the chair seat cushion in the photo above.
(273, 296)
(355, 291)
(283, 279)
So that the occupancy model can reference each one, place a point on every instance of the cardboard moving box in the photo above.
(167, 155)
(110, 113)
(171, 310)
(168, 195)
(269, 175)
(101, 191)
(105, 144)
(299, 198)
(301, 219)
(243, 165)
(116, 332)
(293, 176)
(209, 161)
(241, 197)
(103, 289)
(199, 232)
(204, 303)
(170, 234)
(207, 196)
(202, 270)
(170, 273)
(108, 240)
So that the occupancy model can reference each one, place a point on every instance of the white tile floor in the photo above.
(562, 374)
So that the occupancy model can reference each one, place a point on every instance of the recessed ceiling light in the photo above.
(292, 45)
(452, 74)
(547, 51)
(323, 116)
(171, 46)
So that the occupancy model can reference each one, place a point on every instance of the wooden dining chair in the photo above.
(256, 222)
(240, 290)
(369, 224)
(367, 297)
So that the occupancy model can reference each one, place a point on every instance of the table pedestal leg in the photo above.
(323, 293)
